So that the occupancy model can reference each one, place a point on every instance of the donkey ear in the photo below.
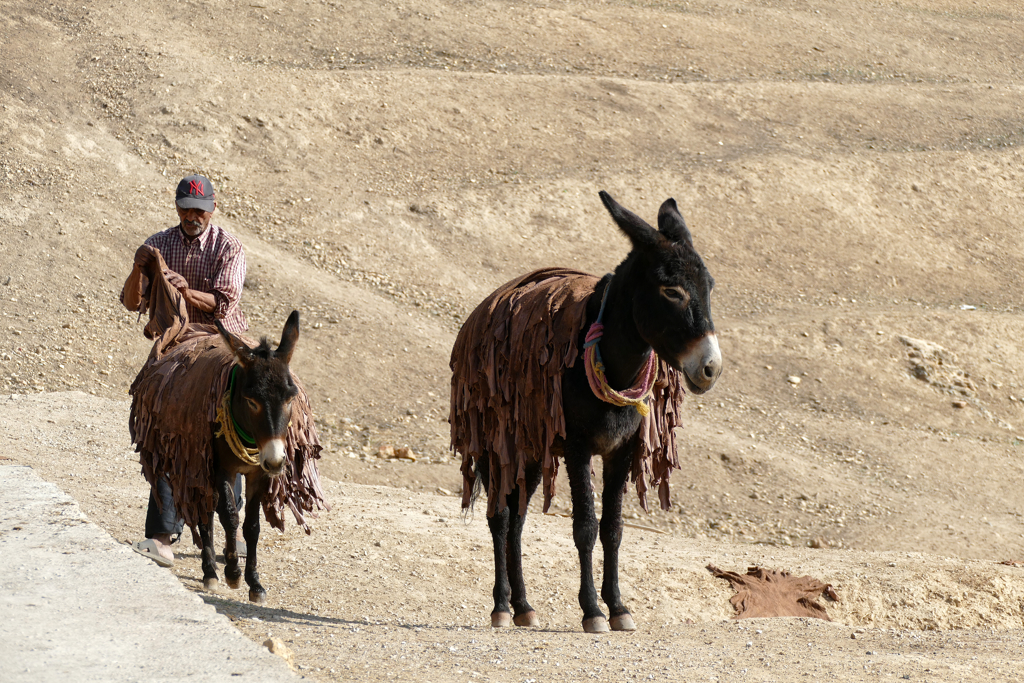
(636, 228)
(288, 338)
(671, 223)
(243, 354)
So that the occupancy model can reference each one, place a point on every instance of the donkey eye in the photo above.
(254, 404)
(676, 294)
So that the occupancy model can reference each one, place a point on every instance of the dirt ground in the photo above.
(851, 172)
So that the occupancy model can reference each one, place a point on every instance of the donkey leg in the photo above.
(256, 486)
(229, 521)
(502, 614)
(524, 614)
(584, 532)
(615, 474)
(208, 554)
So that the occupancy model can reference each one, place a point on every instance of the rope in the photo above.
(228, 430)
(637, 394)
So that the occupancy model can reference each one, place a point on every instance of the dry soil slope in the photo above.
(851, 174)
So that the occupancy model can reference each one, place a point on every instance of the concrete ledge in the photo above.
(78, 606)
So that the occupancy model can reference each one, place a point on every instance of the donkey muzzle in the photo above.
(272, 456)
(702, 364)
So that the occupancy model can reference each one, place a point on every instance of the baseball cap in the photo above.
(195, 192)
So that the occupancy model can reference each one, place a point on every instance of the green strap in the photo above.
(238, 428)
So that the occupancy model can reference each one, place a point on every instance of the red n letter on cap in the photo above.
(196, 187)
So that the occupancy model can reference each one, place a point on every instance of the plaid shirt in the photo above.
(213, 263)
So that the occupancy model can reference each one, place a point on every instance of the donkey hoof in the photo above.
(500, 619)
(623, 622)
(212, 585)
(257, 596)
(526, 619)
(234, 583)
(596, 625)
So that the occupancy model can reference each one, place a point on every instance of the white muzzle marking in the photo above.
(272, 456)
(703, 364)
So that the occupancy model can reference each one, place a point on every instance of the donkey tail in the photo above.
(481, 473)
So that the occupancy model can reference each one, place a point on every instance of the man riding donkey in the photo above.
(189, 279)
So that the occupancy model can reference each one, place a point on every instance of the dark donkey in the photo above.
(519, 399)
(259, 407)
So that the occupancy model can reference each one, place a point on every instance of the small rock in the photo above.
(959, 404)
(405, 453)
(386, 451)
(793, 379)
(277, 646)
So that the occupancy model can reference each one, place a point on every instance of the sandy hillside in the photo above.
(852, 174)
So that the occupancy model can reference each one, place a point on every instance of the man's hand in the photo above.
(137, 283)
(176, 281)
(145, 255)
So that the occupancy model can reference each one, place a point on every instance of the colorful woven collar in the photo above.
(637, 394)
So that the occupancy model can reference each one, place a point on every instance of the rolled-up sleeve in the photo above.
(226, 285)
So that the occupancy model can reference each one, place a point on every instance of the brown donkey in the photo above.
(207, 406)
(252, 440)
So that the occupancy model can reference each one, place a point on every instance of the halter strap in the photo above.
(597, 323)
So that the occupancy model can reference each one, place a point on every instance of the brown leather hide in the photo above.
(772, 593)
(506, 400)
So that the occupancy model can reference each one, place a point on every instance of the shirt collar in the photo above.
(204, 238)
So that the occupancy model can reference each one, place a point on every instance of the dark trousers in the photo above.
(167, 521)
